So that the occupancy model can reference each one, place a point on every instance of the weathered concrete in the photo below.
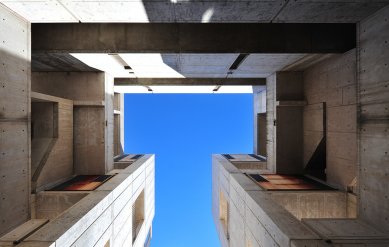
(333, 82)
(15, 81)
(254, 217)
(311, 204)
(92, 123)
(346, 229)
(50, 204)
(104, 214)
(118, 129)
(262, 218)
(58, 63)
(373, 105)
(309, 11)
(284, 122)
(58, 157)
(109, 121)
(189, 81)
(259, 103)
(193, 38)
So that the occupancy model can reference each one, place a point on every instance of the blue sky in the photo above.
(183, 130)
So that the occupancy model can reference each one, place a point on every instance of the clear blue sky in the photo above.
(183, 130)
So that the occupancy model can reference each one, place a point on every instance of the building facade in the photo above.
(65, 180)
(320, 141)
(319, 70)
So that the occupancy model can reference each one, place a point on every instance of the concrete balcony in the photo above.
(102, 217)
(247, 214)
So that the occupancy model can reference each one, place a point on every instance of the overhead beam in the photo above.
(192, 38)
(188, 81)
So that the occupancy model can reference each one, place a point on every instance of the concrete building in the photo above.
(319, 174)
(65, 180)
(319, 71)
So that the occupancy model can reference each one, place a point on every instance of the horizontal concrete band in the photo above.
(192, 38)
(189, 81)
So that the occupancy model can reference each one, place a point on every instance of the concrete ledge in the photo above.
(279, 223)
(86, 222)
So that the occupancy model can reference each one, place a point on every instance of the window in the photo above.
(138, 212)
(224, 213)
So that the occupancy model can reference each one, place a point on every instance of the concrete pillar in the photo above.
(284, 101)
(259, 93)
(15, 64)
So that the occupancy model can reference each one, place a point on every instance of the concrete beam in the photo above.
(189, 81)
(192, 38)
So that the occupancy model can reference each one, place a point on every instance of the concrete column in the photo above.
(259, 93)
(109, 118)
(284, 98)
(15, 64)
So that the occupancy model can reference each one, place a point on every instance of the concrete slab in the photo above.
(344, 229)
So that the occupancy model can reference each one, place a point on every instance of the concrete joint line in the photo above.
(69, 10)
(279, 11)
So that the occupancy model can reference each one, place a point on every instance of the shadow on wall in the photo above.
(14, 139)
(181, 11)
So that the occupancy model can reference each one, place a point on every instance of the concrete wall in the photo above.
(271, 218)
(92, 93)
(104, 215)
(77, 86)
(89, 140)
(255, 219)
(333, 81)
(311, 204)
(373, 131)
(15, 57)
(50, 204)
(59, 164)
(284, 122)
(270, 117)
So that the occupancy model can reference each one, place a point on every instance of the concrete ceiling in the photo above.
(296, 11)
(189, 65)
(57, 62)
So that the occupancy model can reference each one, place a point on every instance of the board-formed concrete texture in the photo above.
(92, 96)
(333, 81)
(373, 99)
(257, 217)
(319, 72)
(102, 217)
(15, 72)
(56, 162)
